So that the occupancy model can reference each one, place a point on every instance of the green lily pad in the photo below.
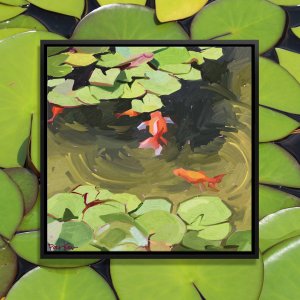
(278, 227)
(55, 50)
(14, 2)
(55, 82)
(24, 22)
(31, 220)
(242, 239)
(8, 267)
(129, 52)
(7, 32)
(289, 60)
(80, 59)
(170, 10)
(162, 226)
(279, 261)
(212, 208)
(272, 200)
(56, 66)
(111, 60)
(274, 126)
(107, 92)
(130, 201)
(191, 240)
(277, 88)
(67, 7)
(296, 31)
(140, 71)
(133, 91)
(152, 204)
(92, 50)
(213, 53)
(277, 166)
(61, 284)
(171, 55)
(149, 103)
(138, 2)
(131, 278)
(19, 89)
(126, 22)
(262, 21)
(286, 2)
(8, 11)
(58, 203)
(28, 184)
(176, 68)
(108, 79)
(27, 246)
(192, 75)
(11, 206)
(215, 232)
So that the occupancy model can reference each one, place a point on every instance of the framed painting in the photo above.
(149, 149)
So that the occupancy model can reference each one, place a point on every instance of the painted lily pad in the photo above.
(9, 11)
(170, 10)
(131, 278)
(27, 246)
(80, 59)
(107, 92)
(123, 22)
(61, 284)
(278, 261)
(278, 227)
(213, 53)
(172, 55)
(67, 7)
(138, 2)
(289, 60)
(277, 166)
(56, 66)
(153, 204)
(8, 267)
(28, 184)
(263, 21)
(242, 239)
(215, 232)
(11, 206)
(98, 78)
(149, 103)
(25, 22)
(192, 75)
(277, 88)
(274, 125)
(191, 240)
(133, 91)
(19, 89)
(272, 200)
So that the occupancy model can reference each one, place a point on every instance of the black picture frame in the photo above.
(253, 254)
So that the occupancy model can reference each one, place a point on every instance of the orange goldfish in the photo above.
(199, 177)
(56, 110)
(130, 113)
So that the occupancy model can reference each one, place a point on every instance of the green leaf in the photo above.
(14, 2)
(23, 22)
(55, 82)
(250, 20)
(140, 71)
(8, 11)
(212, 52)
(67, 7)
(193, 241)
(194, 74)
(92, 50)
(52, 50)
(59, 202)
(171, 55)
(56, 66)
(131, 278)
(272, 200)
(153, 204)
(160, 83)
(177, 68)
(195, 56)
(277, 166)
(149, 103)
(133, 91)
(289, 60)
(111, 60)
(274, 125)
(138, 2)
(278, 227)
(164, 226)
(107, 93)
(8, 267)
(98, 78)
(61, 284)
(130, 201)
(296, 31)
(27, 246)
(126, 22)
(11, 206)
(286, 2)
(242, 239)
(27, 183)
(281, 272)
(215, 232)
(277, 88)
(212, 208)
(129, 52)
(80, 59)
(8, 32)
(170, 10)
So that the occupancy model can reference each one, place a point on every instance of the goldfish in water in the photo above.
(130, 113)
(199, 177)
(56, 110)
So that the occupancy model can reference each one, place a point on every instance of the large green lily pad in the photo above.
(8, 11)
(278, 227)
(126, 22)
(7, 32)
(46, 283)
(240, 20)
(14, 2)
(27, 246)
(138, 2)
(272, 200)
(25, 22)
(277, 166)
(11, 206)
(281, 272)
(274, 125)
(8, 267)
(277, 87)
(286, 2)
(185, 279)
(19, 91)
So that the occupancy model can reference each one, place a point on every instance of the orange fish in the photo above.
(130, 113)
(56, 110)
(199, 177)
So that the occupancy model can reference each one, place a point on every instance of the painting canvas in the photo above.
(149, 149)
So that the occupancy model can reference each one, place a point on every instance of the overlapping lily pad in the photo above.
(9, 11)
(149, 103)
(25, 22)
(241, 239)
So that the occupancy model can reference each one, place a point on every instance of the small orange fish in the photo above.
(199, 177)
(130, 113)
(56, 110)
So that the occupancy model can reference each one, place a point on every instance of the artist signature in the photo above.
(63, 247)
